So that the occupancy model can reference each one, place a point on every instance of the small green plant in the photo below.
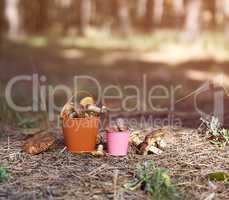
(39, 195)
(25, 122)
(4, 175)
(219, 176)
(217, 134)
(154, 181)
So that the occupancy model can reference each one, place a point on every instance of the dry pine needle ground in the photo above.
(57, 174)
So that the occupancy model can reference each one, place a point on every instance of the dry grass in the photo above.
(57, 174)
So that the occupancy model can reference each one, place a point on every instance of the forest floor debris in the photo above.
(39, 142)
(214, 130)
(189, 162)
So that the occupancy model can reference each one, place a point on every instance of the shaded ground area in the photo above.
(111, 64)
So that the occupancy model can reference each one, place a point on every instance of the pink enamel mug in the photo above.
(117, 143)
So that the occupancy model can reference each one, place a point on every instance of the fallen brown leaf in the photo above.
(38, 143)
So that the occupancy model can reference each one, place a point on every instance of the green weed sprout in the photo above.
(4, 175)
(154, 181)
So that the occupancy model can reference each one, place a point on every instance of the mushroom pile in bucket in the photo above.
(85, 108)
(118, 126)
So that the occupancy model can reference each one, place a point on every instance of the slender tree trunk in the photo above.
(12, 17)
(42, 17)
(193, 18)
(158, 11)
(2, 21)
(219, 11)
(178, 10)
(123, 16)
(178, 7)
(85, 15)
(149, 15)
(141, 8)
(226, 16)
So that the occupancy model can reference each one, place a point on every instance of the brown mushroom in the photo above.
(151, 141)
(112, 128)
(155, 150)
(161, 144)
(154, 136)
(93, 108)
(67, 109)
(134, 138)
(99, 151)
(87, 101)
(121, 124)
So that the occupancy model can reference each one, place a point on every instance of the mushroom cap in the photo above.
(154, 136)
(67, 109)
(87, 101)
(134, 139)
(121, 124)
(99, 151)
(93, 108)
(136, 132)
(161, 144)
(110, 129)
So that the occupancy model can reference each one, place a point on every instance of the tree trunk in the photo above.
(178, 10)
(192, 21)
(178, 7)
(13, 18)
(123, 16)
(226, 16)
(85, 15)
(42, 18)
(149, 15)
(219, 12)
(158, 11)
(2, 21)
(141, 8)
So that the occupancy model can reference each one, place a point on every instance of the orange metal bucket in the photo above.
(80, 134)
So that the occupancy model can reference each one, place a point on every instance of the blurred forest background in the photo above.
(175, 45)
(72, 17)
(171, 41)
